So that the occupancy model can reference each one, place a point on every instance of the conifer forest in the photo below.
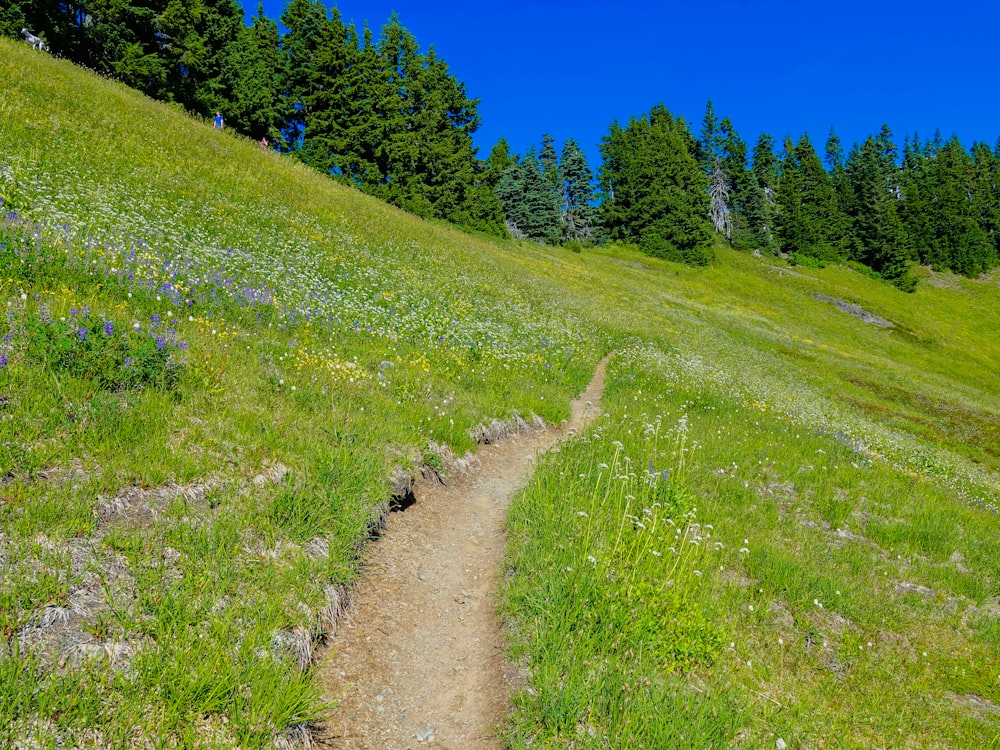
(379, 112)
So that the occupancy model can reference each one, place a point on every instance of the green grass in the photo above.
(174, 548)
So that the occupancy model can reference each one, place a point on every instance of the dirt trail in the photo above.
(419, 662)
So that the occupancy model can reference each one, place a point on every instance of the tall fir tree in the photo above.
(913, 209)
(306, 21)
(251, 74)
(958, 242)
(877, 235)
(759, 198)
(655, 192)
(530, 203)
(986, 196)
(820, 209)
(579, 215)
(548, 160)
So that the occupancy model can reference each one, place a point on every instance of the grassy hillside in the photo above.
(216, 362)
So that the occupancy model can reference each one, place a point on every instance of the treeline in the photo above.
(936, 204)
(391, 119)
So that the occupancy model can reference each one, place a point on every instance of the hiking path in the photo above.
(419, 661)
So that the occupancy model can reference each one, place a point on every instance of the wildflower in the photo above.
(4, 360)
(161, 343)
(816, 602)
(109, 328)
(582, 513)
(592, 560)
(81, 333)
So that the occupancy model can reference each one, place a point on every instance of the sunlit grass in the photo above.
(155, 535)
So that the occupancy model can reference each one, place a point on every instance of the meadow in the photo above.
(217, 367)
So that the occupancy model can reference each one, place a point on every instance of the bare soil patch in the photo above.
(420, 660)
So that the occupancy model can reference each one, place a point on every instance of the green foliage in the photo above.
(333, 338)
(877, 236)
(806, 261)
(251, 71)
(530, 203)
(578, 196)
(654, 192)
(113, 355)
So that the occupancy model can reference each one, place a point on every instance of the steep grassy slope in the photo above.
(176, 538)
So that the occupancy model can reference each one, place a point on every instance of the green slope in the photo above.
(173, 546)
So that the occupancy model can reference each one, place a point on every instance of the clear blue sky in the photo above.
(783, 67)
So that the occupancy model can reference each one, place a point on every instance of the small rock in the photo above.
(424, 734)
(780, 744)
(422, 576)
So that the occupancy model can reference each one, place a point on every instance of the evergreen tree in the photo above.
(720, 185)
(709, 148)
(579, 216)
(759, 210)
(531, 206)
(306, 21)
(958, 242)
(655, 192)
(252, 74)
(793, 234)
(913, 209)
(878, 238)
(820, 210)
(834, 154)
(549, 163)
(499, 160)
(332, 104)
(986, 196)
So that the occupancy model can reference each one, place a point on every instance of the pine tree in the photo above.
(721, 193)
(709, 148)
(251, 73)
(833, 157)
(820, 211)
(959, 242)
(793, 235)
(986, 196)
(332, 104)
(549, 162)
(655, 192)
(913, 209)
(878, 238)
(759, 208)
(530, 204)
(579, 216)
(306, 21)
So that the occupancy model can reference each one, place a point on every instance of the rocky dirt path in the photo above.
(419, 661)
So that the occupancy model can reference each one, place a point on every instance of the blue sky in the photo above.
(786, 68)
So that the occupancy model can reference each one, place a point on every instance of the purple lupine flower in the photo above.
(154, 319)
(74, 311)
(109, 328)
(86, 311)
(182, 345)
(4, 360)
(161, 343)
(81, 333)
